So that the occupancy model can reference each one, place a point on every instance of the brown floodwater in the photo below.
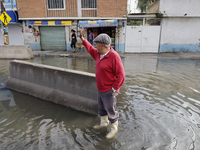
(159, 107)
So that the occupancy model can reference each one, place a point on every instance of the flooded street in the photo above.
(159, 107)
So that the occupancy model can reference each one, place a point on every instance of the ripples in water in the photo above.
(158, 105)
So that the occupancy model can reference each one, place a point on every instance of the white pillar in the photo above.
(79, 8)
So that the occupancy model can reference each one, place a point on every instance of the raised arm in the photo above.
(81, 32)
(93, 51)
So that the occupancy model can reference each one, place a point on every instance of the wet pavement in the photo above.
(159, 107)
(85, 54)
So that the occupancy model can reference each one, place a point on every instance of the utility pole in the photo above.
(4, 27)
(2, 6)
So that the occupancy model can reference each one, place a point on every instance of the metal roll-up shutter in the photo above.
(53, 38)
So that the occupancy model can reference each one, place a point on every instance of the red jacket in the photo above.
(109, 70)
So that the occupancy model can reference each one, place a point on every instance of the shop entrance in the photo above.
(108, 30)
(53, 38)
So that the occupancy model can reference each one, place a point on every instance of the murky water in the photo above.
(159, 106)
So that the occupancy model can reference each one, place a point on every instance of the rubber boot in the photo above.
(104, 123)
(114, 130)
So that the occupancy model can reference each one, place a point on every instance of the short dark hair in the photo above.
(73, 30)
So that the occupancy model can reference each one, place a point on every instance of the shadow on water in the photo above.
(82, 64)
(158, 105)
(5, 94)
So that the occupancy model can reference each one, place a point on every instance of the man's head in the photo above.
(103, 42)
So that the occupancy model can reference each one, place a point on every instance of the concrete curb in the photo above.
(15, 52)
(69, 88)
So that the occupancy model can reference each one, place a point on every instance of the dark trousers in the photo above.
(91, 42)
(73, 44)
(107, 105)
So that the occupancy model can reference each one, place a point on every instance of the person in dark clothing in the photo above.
(74, 40)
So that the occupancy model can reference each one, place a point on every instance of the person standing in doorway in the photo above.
(91, 37)
(110, 77)
(74, 40)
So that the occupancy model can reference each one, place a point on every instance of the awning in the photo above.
(50, 23)
(101, 23)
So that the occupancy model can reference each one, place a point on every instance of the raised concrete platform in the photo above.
(15, 52)
(70, 88)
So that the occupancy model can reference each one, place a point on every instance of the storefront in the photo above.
(47, 35)
(98, 27)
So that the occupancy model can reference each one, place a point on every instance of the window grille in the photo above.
(89, 3)
(55, 4)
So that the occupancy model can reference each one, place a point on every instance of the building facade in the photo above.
(47, 23)
(168, 26)
(180, 30)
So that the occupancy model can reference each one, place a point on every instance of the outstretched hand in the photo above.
(81, 32)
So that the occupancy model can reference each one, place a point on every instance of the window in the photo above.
(56, 4)
(89, 4)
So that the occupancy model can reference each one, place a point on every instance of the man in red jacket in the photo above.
(109, 77)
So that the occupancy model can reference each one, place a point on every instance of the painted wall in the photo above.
(180, 7)
(68, 42)
(180, 35)
(120, 40)
(15, 35)
(30, 39)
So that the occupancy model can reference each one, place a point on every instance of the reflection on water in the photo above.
(159, 106)
(82, 64)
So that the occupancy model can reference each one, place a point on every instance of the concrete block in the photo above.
(15, 52)
(75, 89)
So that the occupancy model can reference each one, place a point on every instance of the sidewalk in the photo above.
(70, 54)
(85, 54)
(182, 55)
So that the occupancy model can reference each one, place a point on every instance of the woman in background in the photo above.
(74, 40)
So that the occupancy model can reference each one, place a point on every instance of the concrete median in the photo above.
(70, 88)
(15, 52)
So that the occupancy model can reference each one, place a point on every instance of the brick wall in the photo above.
(31, 8)
(105, 8)
(111, 8)
(37, 8)
(89, 13)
